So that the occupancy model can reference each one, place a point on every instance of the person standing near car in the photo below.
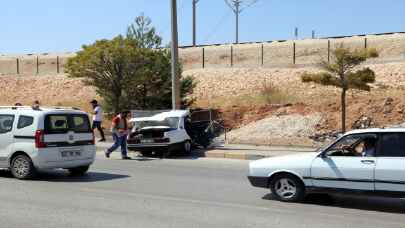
(35, 105)
(119, 130)
(97, 119)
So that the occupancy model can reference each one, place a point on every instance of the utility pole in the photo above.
(237, 12)
(194, 22)
(237, 6)
(175, 57)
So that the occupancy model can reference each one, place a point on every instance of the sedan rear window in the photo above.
(62, 123)
(393, 145)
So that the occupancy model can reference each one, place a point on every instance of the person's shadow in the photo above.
(64, 176)
(369, 203)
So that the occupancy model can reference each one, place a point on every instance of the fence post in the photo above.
(37, 65)
(293, 52)
(365, 43)
(328, 51)
(18, 65)
(262, 55)
(231, 56)
(203, 58)
(57, 64)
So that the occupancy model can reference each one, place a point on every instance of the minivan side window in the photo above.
(6, 123)
(25, 121)
(392, 145)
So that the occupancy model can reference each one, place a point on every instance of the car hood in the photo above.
(298, 162)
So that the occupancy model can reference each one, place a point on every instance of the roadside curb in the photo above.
(240, 152)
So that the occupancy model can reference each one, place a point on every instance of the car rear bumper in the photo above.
(51, 158)
(147, 147)
(154, 146)
(64, 164)
(260, 182)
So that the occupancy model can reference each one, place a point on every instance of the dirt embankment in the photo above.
(49, 90)
(239, 92)
(270, 105)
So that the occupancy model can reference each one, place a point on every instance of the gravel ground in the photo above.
(49, 90)
(227, 82)
(277, 130)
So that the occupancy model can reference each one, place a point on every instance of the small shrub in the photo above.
(372, 53)
(272, 95)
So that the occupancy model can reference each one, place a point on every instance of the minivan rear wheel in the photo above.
(79, 171)
(22, 167)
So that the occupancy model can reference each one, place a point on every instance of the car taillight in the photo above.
(39, 139)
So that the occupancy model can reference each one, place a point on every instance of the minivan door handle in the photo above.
(367, 161)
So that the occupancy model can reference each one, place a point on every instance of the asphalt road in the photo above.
(184, 192)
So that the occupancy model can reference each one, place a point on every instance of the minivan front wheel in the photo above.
(79, 171)
(22, 167)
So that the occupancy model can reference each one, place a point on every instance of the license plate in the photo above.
(66, 154)
(147, 141)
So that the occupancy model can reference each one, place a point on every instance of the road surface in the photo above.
(186, 192)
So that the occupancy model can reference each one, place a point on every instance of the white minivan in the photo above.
(45, 138)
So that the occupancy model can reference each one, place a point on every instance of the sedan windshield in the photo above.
(171, 122)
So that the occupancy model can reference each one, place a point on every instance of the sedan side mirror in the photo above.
(323, 155)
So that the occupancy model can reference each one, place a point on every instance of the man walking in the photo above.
(97, 119)
(119, 129)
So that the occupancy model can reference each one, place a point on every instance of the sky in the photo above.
(39, 26)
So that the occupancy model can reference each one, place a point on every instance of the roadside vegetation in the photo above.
(343, 72)
(130, 72)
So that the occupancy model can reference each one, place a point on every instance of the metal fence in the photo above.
(33, 64)
(391, 48)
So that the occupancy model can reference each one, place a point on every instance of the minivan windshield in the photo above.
(171, 122)
(62, 123)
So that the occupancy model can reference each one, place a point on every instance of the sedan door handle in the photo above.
(367, 161)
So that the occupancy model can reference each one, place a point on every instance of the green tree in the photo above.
(110, 66)
(130, 72)
(343, 72)
(144, 33)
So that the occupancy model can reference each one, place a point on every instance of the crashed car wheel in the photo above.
(187, 147)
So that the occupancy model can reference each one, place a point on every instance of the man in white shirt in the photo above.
(97, 118)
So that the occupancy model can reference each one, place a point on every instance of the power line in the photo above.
(237, 7)
(217, 26)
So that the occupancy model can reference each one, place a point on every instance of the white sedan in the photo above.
(361, 161)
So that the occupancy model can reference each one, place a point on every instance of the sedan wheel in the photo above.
(287, 188)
